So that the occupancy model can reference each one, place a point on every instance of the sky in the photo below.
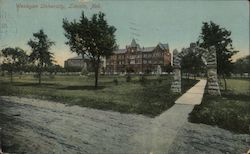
(177, 23)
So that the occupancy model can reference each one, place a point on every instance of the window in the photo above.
(132, 61)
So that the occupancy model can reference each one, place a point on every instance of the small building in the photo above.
(78, 63)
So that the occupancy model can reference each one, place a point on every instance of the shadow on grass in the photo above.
(35, 84)
(235, 96)
(82, 88)
(229, 111)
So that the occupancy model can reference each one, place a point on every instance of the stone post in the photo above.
(158, 71)
(212, 79)
(176, 84)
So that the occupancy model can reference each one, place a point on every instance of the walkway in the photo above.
(194, 95)
(164, 128)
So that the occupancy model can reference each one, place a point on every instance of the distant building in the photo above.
(78, 63)
(139, 59)
(74, 62)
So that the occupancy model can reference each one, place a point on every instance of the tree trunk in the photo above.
(96, 75)
(11, 77)
(39, 78)
(225, 82)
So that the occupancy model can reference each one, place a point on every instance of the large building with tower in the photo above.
(137, 59)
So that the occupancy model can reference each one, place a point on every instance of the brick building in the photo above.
(139, 59)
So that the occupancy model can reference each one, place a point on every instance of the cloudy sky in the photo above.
(174, 22)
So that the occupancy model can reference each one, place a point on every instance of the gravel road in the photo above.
(38, 126)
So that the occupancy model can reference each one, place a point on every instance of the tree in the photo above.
(167, 68)
(23, 61)
(192, 63)
(40, 56)
(214, 35)
(14, 60)
(242, 65)
(54, 69)
(92, 37)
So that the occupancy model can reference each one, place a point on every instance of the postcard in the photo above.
(124, 76)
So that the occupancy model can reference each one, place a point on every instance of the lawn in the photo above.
(238, 86)
(150, 96)
(230, 111)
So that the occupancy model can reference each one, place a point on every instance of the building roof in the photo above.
(163, 46)
(143, 49)
(133, 43)
(120, 51)
(147, 49)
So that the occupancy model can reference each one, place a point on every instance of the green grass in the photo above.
(230, 111)
(149, 97)
(238, 86)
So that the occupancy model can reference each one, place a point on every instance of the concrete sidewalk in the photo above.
(194, 95)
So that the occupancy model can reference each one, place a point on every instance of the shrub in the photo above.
(142, 79)
(84, 71)
(35, 76)
(159, 80)
(115, 81)
(128, 78)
